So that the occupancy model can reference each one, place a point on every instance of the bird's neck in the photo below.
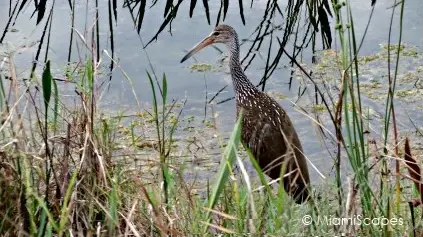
(239, 79)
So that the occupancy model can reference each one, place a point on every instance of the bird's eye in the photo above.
(216, 33)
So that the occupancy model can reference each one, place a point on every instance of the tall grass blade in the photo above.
(164, 102)
(113, 208)
(155, 110)
(88, 86)
(227, 162)
(42, 225)
(66, 207)
(42, 204)
(27, 202)
(49, 231)
(160, 135)
(164, 90)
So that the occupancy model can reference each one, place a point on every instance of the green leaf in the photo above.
(227, 162)
(42, 224)
(141, 12)
(167, 7)
(241, 11)
(66, 207)
(46, 81)
(206, 8)
(90, 76)
(156, 116)
(49, 231)
(164, 84)
(191, 7)
(41, 9)
(225, 8)
(168, 20)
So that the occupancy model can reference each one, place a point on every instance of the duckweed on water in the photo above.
(409, 92)
(369, 58)
(392, 47)
(319, 108)
(374, 85)
(201, 67)
(409, 77)
(405, 50)
(209, 123)
(277, 95)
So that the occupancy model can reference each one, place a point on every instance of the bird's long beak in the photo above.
(205, 42)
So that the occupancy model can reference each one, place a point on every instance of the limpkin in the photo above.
(266, 128)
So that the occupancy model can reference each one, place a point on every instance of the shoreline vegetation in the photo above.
(69, 168)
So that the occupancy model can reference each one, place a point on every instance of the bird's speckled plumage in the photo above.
(266, 128)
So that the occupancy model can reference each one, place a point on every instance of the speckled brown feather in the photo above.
(269, 133)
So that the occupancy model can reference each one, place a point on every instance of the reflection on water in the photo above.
(167, 51)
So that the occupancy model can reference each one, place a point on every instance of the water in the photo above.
(166, 52)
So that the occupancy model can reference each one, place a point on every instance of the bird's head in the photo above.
(221, 34)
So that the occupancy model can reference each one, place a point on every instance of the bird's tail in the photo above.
(297, 181)
(297, 189)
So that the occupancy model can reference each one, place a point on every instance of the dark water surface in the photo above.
(166, 52)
